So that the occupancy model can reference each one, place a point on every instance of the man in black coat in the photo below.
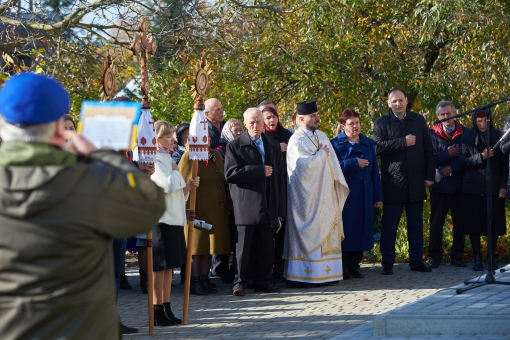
(253, 169)
(402, 140)
(446, 193)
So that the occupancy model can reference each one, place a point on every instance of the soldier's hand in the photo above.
(362, 162)
(428, 183)
(283, 146)
(410, 140)
(268, 169)
(77, 144)
(377, 204)
(453, 150)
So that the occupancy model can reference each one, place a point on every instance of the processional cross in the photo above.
(143, 46)
(108, 80)
(196, 150)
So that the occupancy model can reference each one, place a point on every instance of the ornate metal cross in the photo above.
(108, 81)
(143, 46)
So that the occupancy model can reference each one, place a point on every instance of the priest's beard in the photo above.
(310, 127)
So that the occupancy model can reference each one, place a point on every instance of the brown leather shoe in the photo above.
(239, 292)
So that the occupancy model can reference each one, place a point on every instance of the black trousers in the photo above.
(475, 243)
(255, 242)
(440, 203)
(351, 260)
(279, 241)
(220, 263)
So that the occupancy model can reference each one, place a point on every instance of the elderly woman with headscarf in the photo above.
(475, 152)
(232, 129)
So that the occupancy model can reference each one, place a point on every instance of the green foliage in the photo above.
(350, 53)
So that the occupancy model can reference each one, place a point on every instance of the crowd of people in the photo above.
(272, 205)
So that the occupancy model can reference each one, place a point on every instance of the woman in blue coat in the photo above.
(356, 155)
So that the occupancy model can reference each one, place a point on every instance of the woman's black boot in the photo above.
(477, 263)
(170, 314)
(196, 288)
(206, 284)
(143, 282)
(161, 318)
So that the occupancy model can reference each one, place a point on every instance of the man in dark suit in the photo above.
(254, 171)
(446, 193)
(402, 139)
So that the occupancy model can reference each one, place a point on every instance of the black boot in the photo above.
(206, 277)
(196, 287)
(143, 282)
(477, 263)
(206, 284)
(354, 271)
(160, 317)
(170, 314)
(124, 283)
(183, 274)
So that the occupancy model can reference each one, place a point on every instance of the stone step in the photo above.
(481, 310)
(440, 324)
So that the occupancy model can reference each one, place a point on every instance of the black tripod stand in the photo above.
(489, 278)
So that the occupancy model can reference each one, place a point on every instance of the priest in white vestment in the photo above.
(316, 194)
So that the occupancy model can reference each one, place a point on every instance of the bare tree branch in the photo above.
(269, 7)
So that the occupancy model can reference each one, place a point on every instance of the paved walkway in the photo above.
(318, 313)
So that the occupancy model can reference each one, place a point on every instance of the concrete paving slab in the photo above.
(314, 313)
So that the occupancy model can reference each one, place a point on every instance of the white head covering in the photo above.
(147, 140)
(198, 137)
(226, 133)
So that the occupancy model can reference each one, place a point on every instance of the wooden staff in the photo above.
(191, 226)
(150, 282)
(198, 91)
(143, 45)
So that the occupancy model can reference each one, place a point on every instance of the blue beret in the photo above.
(29, 98)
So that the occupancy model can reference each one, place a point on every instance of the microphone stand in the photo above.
(489, 277)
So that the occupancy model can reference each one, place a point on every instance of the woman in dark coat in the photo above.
(274, 130)
(473, 159)
(213, 205)
(356, 155)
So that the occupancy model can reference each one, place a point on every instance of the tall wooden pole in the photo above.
(143, 46)
(199, 105)
(191, 226)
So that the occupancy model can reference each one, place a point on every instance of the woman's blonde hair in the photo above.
(163, 128)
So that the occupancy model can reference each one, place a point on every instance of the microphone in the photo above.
(502, 139)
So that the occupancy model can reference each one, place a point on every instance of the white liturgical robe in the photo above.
(316, 194)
